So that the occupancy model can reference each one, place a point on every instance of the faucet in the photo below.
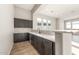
(39, 30)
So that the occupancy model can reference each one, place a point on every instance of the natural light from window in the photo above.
(75, 25)
(72, 25)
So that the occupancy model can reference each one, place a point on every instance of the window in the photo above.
(39, 20)
(68, 25)
(49, 23)
(44, 22)
(72, 24)
(75, 25)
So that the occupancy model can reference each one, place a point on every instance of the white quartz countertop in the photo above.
(46, 36)
(66, 31)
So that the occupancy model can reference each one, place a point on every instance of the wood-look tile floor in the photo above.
(23, 48)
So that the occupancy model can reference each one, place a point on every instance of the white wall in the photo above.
(68, 16)
(61, 24)
(22, 30)
(6, 28)
(53, 21)
(22, 13)
(61, 20)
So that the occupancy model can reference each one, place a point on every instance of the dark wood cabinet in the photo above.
(42, 45)
(22, 23)
(32, 39)
(47, 46)
(39, 45)
(19, 37)
(53, 48)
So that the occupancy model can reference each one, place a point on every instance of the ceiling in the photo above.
(25, 6)
(59, 10)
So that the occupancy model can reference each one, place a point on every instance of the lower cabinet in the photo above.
(39, 46)
(19, 37)
(53, 48)
(47, 46)
(43, 46)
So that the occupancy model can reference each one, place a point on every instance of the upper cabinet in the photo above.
(20, 23)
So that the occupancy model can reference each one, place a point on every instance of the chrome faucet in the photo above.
(38, 30)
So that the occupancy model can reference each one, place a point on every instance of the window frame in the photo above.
(65, 24)
(72, 20)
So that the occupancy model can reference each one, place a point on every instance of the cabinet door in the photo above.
(40, 45)
(53, 48)
(47, 46)
(32, 39)
(18, 37)
(26, 23)
(18, 23)
(36, 42)
(30, 24)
